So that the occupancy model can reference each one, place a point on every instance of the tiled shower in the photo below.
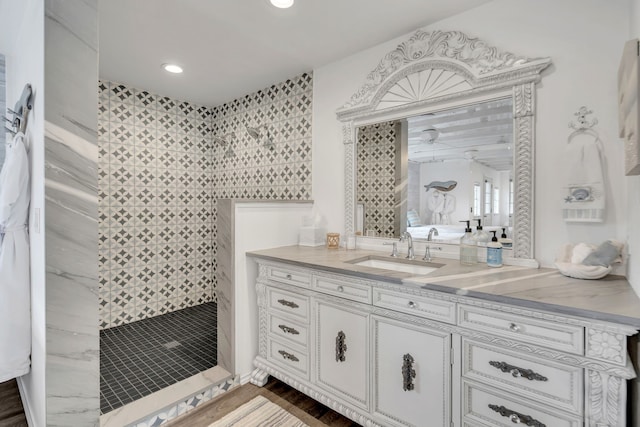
(376, 176)
(162, 167)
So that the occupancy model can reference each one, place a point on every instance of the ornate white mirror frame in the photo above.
(441, 68)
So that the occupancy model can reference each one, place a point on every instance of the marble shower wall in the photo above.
(376, 158)
(70, 214)
(160, 174)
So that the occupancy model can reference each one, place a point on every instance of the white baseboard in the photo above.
(244, 378)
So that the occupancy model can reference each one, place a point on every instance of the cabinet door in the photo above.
(342, 352)
(412, 374)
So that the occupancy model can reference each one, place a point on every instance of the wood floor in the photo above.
(306, 409)
(11, 410)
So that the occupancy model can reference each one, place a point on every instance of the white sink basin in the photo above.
(401, 265)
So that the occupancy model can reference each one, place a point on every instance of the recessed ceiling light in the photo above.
(282, 4)
(172, 68)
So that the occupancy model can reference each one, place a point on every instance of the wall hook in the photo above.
(582, 122)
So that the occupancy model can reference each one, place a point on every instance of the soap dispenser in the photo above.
(504, 240)
(494, 252)
(468, 247)
(481, 236)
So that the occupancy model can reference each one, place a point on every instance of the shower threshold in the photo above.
(172, 401)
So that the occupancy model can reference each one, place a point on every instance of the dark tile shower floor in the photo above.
(142, 357)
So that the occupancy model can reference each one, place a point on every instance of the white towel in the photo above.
(584, 196)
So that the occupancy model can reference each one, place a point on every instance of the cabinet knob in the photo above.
(412, 304)
(288, 277)
(289, 304)
(288, 330)
(341, 347)
(408, 373)
(513, 327)
(516, 417)
(517, 372)
(340, 288)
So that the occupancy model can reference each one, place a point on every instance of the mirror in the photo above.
(432, 77)
(435, 170)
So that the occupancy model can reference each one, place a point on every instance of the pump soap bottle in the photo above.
(494, 252)
(468, 247)
(482, 238)
(506, 242)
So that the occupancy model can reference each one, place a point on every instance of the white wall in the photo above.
(258, 225)
(633, 182)
(584, 39)
(22, 42)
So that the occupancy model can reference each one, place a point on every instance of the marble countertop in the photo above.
(609, 299)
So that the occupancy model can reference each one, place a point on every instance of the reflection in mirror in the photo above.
(435, 170)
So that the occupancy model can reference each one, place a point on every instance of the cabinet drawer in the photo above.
(289, 303)
(558, 336)
(295, 361)
(289, 330)
(289, 276)
(550, 383)
(343, 288)
(487, 407)
(443, 311)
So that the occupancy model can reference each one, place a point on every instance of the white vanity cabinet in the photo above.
(342, 352)
(412, 374)
(390, 354)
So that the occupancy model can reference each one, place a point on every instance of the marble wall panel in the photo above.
(71, 224)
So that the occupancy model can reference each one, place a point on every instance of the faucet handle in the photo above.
(394, 250)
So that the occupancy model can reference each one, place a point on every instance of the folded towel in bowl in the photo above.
(606, 254)
(580, 252)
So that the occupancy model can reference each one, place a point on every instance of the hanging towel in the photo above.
(15, 305)
(584, 195)
(435, 203)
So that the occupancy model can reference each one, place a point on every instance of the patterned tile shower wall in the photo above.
(376, 176)
(160, 176)
(277, 165)
(155, 204)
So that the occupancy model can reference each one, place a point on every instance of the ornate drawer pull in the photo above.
(412, 304)
(288, 330)
(518, 372)
(516, 417)
(288, 356)
(341, 347)
(286, 303)
(513, 327)
(288, 277)
(408, 373)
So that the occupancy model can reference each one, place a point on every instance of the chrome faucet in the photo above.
(432, 232)
(427, 254)
(407, 236)
(394, 251)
